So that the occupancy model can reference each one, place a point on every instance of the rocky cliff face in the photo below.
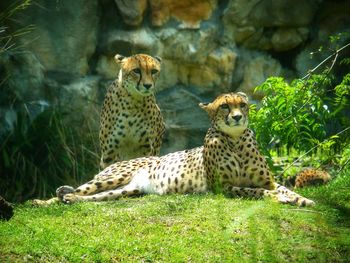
(208, 47)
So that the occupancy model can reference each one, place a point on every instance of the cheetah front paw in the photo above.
(38, 202)
(299, 201)
(305, 202)
(71, 198)
(283, 199)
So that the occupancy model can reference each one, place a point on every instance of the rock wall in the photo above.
(208, 47)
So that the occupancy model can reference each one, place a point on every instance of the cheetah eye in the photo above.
(154, 71)
(137, 70)
(243, 105)
(224, 106)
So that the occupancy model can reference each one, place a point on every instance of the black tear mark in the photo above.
(138, 83)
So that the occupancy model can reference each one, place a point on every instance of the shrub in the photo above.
(40, 154)
(309, 115)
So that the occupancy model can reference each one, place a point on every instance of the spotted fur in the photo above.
(307, 177)
(229, 160)
(131, 122)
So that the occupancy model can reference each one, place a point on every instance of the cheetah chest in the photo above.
(136, 130)
(236, 161)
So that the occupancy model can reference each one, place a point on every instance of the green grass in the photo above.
(176, 228)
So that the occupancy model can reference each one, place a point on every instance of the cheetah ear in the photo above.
(203, 105)
(158, 58)
(208, 108)
(242, 94)
(119, 58)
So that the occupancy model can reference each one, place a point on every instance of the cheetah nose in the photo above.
(237, 117)
(147, 86)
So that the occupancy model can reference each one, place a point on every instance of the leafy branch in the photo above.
(312, 149)
(302, 115)
(335, 54)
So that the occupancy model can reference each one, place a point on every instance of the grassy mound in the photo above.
(191, 228)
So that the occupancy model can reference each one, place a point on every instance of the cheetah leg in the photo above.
(292, 196)
(103, 196)
(98, 185)
(255, 193)
(259, 193)
(134, 184)
(154, 149)
(60, 192)
(90, 188)
(38, 202)
(108, 159)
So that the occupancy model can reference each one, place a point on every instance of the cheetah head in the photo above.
(229, 113)
(138, 73)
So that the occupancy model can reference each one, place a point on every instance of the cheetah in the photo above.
(307, 177)
(229, 159)
(131, 123)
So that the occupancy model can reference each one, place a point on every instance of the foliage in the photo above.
(293, 114)
(40, 154)
(310, 114)
(345, 158)
(183, 228)
(7, 36)
(38, 151)
(342, 93)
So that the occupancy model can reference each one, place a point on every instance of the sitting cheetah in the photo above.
(131, 123)
(229, 159)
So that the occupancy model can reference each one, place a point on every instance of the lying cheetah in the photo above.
(229, 159)
(131, 123)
